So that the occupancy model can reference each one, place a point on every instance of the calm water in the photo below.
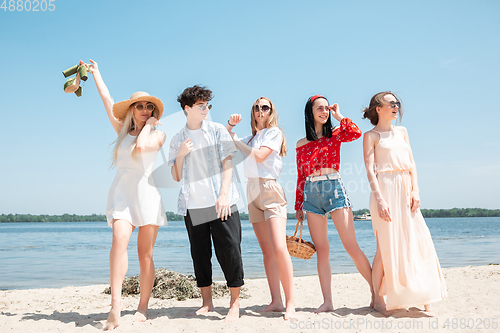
(39, 255)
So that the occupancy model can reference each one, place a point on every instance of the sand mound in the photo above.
(170, 284)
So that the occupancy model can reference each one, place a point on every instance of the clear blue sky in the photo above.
(440, 57)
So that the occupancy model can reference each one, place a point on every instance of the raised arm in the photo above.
(104, 93)
(335, 112)
(415, 194)
(234, 120)
(258, 155)
(369, 142)
(348, 131)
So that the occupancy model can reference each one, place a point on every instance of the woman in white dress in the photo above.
(133, 200)
(266, 199)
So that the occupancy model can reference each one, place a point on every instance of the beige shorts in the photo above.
(266, 199)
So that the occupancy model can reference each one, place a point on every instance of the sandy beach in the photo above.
(472, 300)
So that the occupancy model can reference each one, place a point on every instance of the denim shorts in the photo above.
(325, 196)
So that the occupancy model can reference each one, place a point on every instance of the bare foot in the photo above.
(204, 309)
(233, 313)
(290, 313)
(113, 320)
(141, 315)
(427, 307)
(381, 308)
(372, 303)
(274, 307)
(325, 307)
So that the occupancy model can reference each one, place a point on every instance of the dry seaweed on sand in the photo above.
(170, 284)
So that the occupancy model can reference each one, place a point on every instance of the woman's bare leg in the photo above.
(318, 228)
(270, 266)
(344, 222)
(145, 244)
(277, 233)
(377, 276)
(118, 266)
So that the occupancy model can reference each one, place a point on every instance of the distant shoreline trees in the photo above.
(454, 212)
(428, 213)
(461, 212)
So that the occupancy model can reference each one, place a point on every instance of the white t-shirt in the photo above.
(200, 190)
(271, 167)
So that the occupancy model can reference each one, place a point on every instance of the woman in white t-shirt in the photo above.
(266, 198)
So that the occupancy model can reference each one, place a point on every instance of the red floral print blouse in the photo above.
(322, 153)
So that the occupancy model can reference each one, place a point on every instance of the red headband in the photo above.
(315, 97)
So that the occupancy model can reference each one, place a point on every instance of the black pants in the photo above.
(227, 240)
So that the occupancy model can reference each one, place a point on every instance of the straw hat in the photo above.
(120, 109)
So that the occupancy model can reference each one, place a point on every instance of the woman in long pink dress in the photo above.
(405, 268)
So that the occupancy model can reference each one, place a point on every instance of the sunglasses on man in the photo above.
(204, 107)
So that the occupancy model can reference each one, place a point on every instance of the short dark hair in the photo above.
(194, 94)
(310, 129)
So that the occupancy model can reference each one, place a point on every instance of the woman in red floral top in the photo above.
(320, 190)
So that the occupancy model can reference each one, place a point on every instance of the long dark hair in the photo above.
(310, 129)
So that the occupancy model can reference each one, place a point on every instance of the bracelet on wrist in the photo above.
(230, 124)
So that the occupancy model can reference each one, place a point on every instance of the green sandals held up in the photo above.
(73, 84)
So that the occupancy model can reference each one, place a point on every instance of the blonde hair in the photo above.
(128, 124)
(272, 121)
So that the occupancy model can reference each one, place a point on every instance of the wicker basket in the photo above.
(297, 247)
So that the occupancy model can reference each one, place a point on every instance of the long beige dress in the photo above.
(412, 274)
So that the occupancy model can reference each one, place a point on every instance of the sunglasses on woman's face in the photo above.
(394, 105)
(263, 108)
(149, 107)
